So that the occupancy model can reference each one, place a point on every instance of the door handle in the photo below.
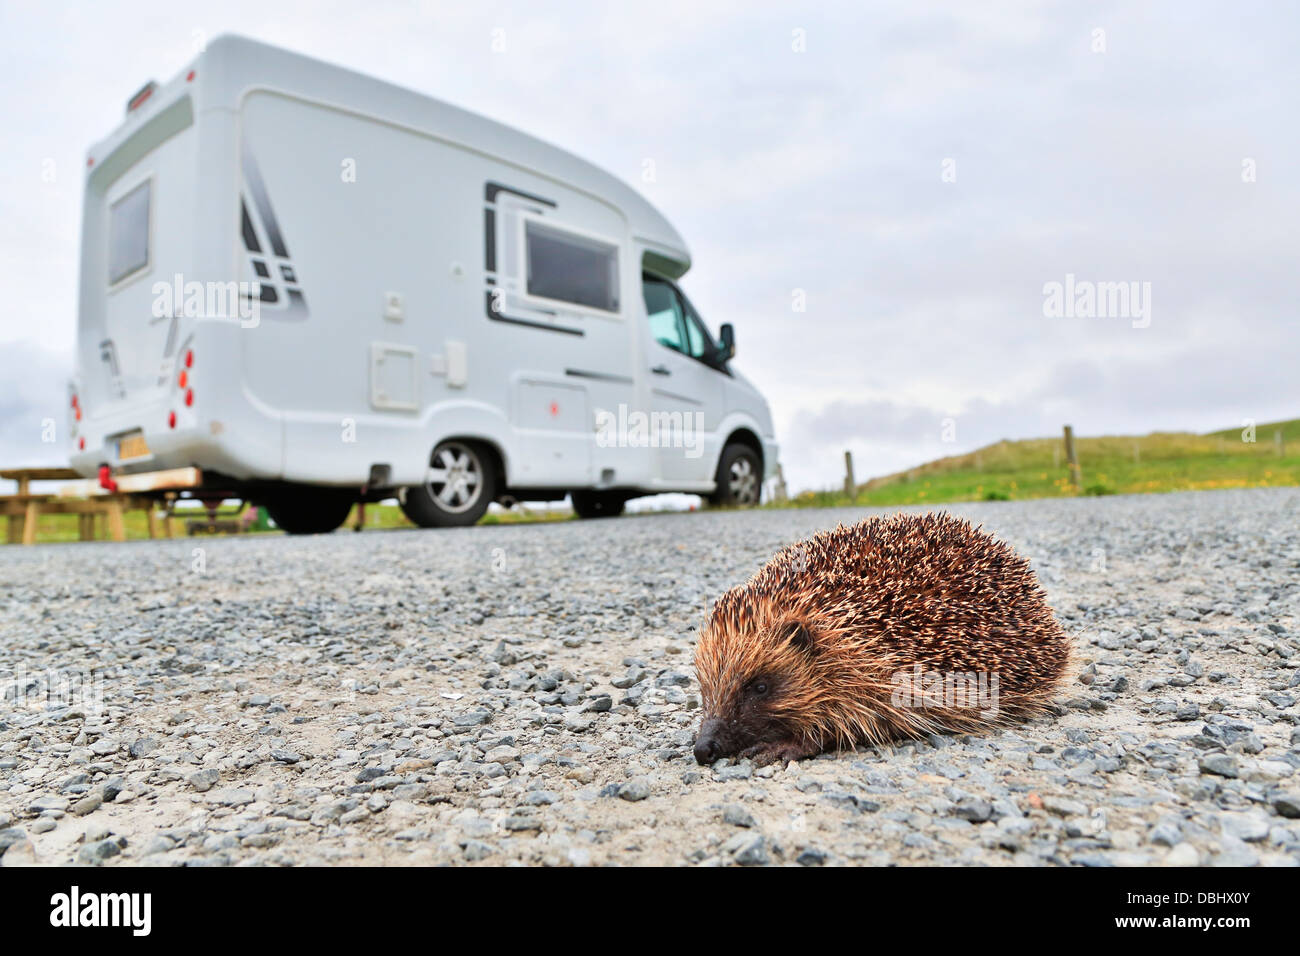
(661, 370)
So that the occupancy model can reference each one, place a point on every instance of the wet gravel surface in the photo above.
(525, 694)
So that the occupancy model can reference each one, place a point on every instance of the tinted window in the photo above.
(664, 311)
(698, 341)
(128, 234)
(571, 268)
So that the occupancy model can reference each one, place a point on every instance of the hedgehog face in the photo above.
(756, 689)
(746, 724)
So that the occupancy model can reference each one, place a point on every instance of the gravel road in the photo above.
(525, 694)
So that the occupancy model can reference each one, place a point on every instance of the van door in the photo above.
(686, 391)
(559, 332)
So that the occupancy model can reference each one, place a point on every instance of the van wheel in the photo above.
(597, 504)
(309, 510)
(740, 478)
(457, 490)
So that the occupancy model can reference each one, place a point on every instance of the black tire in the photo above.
(597, 504)
(309, 510)
(460, 484)
(739, 478)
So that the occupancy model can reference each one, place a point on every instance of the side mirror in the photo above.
(727, 350)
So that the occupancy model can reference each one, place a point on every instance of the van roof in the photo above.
(231, 65)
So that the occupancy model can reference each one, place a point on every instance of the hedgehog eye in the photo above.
(759, 688)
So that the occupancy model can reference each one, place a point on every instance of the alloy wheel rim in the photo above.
(455, 479)
(743, 482)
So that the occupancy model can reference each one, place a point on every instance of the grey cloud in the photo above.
(33, 389)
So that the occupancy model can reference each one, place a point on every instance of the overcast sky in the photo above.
(919, 171)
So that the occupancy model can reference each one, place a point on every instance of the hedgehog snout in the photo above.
(708, 743)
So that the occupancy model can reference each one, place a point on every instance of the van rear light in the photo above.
(189, 358)
(189, 77)
(182, 379)
(81, 443)
(171, 419)
(189, 398)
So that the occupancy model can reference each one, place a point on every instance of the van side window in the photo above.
(674, 322)
(571, 268)
(664, 311)
(700, 343)
(128, 234)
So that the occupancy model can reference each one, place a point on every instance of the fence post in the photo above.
(1072, 459)
(850, 486)
(780, 489)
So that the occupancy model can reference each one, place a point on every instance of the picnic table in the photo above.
(24, 509)
(87, 500)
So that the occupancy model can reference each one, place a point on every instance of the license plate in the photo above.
(132, 446)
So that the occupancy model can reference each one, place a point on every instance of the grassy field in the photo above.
(64, 527)
(1006, 471)
(1035, 468)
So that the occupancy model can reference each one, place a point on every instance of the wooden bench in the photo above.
(23, 509)
(88, 501)
(24, 513)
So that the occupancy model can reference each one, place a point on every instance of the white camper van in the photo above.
(318, 289)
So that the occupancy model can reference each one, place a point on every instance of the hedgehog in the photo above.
(892, 628)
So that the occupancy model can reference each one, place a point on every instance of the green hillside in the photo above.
(1036, 468)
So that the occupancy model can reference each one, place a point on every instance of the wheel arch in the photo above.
(468, 421)
(742, 436)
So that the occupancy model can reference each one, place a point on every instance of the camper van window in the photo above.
(128, 234)
(696, 337)
(571, 268)
(664, 310)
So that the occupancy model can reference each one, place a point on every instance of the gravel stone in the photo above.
(1183, 854)
(976, 811)
(476, 850)
(87, 805)
(96, 853)
(48, 804)
(1287, 805)
(634, 790)
(1223, 765)
(1064, 807)
(737, 816)
(204, 780)
(749, 850)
